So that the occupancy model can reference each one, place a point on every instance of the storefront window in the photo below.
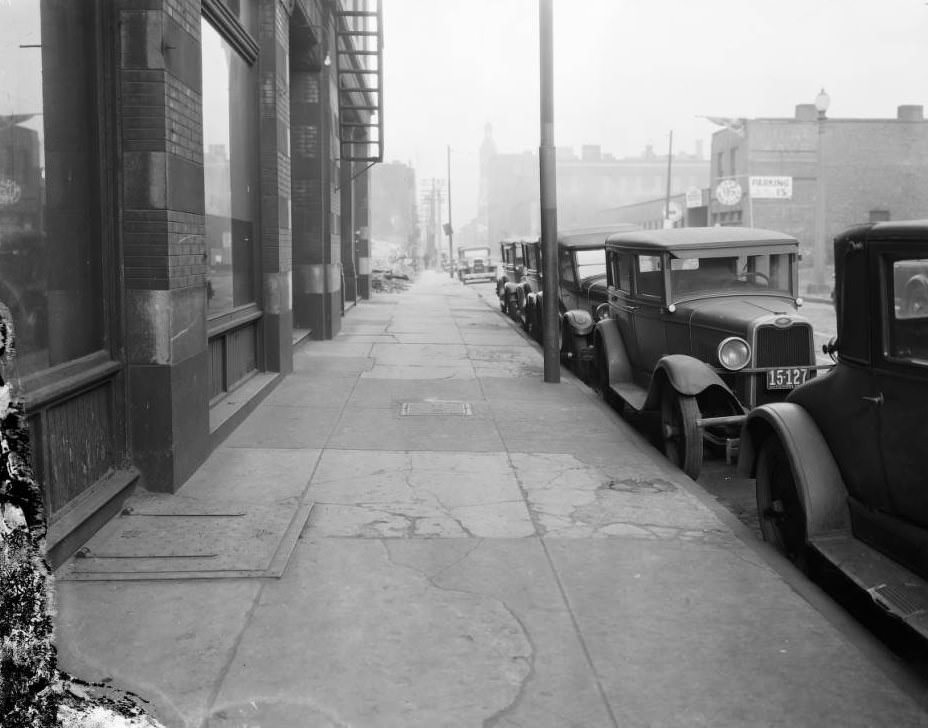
(229, 139)
(50, 246)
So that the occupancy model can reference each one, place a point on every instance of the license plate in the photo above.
(786, 378)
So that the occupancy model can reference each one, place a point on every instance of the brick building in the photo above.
(183, 196)
(872, 170)
(586, 185)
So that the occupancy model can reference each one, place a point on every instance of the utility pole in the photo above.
(450, 229)
(547, 175)
(667, 222)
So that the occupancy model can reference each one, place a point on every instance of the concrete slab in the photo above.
(572, 499)
(389, 648)
(444, 336)
(309, 391)
(417, 354)
(402, 494)
(330, 366)
(562, 690)
(503, 337)
(519, 354)
(270, 426)
(385, 430)
(166, 641)
(390, 393)
(702, 636)
(339, 347)
(252, 475)
(421, 371)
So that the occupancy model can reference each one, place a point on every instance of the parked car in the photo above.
(841, 464)
(474, 264)
(701, 326)
(511, 266)
(582, 291)
(581, 280)
(527, 309)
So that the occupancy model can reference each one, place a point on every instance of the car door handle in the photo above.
(877, 400)
(630, 308)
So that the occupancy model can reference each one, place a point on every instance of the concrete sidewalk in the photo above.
(481, 549)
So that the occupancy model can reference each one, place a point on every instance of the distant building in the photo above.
(596, 181)
(586, 185)
(764, 172)
(393, 204)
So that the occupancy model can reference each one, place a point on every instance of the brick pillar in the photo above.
(316, 243)
(276, 238)
(163, 234)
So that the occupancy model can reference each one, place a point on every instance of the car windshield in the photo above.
(763, 273)
(591, 262)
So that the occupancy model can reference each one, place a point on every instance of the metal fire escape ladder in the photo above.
(359, 65)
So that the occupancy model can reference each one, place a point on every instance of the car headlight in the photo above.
(734, 353)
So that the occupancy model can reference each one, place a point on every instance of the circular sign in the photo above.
(10, 192)
(674, 212)
(728, 192)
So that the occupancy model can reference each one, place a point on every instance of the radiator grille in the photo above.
(789, 346)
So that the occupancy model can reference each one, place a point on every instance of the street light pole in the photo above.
(450, 228)
(546, 160)
(818, 268)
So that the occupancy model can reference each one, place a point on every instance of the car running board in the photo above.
(634, 395)
(894, 588)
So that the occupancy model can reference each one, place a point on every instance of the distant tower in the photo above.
(487, 152)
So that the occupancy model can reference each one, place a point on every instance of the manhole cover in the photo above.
(433, 407)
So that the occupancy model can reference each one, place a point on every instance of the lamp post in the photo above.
(818, 269)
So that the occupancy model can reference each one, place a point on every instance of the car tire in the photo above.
(680, 436)
(779, 508)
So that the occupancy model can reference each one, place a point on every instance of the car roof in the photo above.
(908, 230)
(591, 236)
(683, 240)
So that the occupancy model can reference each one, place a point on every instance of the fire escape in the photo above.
(359, 65)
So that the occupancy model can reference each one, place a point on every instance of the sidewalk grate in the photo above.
(445, 408)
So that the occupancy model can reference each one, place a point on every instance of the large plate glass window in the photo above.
(230, 172)
(50, 233)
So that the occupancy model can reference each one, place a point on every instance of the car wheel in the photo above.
(781, 513)
(680, 436)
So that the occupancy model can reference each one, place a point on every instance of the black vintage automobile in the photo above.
(841, 464)
(511, 267)
(474, 264)
(581, 286)
(702, 325)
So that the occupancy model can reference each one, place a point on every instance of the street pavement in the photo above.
(416, 530)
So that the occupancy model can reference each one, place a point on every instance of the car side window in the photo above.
(622, 274)
(649, 278)
(566, 267)
(908, 330)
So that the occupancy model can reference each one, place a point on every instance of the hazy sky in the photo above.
(628, 71)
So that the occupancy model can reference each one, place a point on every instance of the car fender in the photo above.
(688, 376)
(818, 479)
(579, 322)
(611, 352)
